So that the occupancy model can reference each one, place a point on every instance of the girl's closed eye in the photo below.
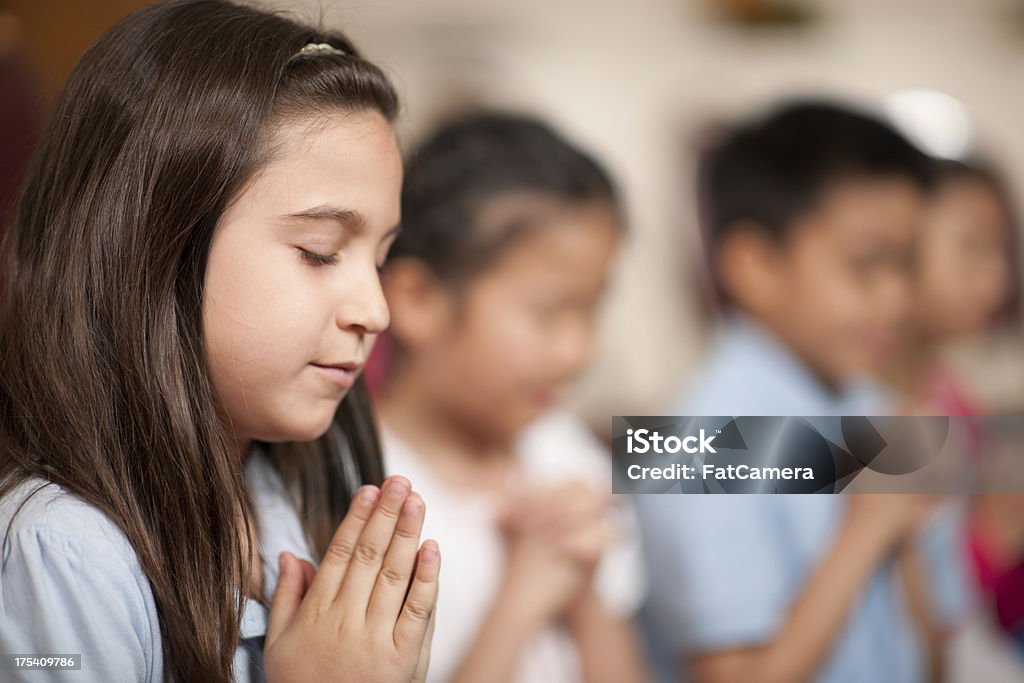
(316, 259)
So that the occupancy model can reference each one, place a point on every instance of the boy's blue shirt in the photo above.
(725, 570)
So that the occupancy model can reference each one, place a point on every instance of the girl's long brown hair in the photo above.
(105, 388)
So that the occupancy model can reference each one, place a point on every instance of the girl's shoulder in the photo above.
(42, 508)
(66, 567)
(46, 529)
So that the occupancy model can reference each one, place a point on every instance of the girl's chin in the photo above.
(526, 415)
(303, 429)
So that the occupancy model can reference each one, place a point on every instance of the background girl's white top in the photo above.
(555, 448)
(70, 583)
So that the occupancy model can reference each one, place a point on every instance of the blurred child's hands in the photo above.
(366, 615)
(556, 536)
(572, 515)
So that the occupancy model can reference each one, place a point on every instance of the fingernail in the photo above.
(369, 494)
(280, 563)
(412, 506)
(430, 553)
(398, 488)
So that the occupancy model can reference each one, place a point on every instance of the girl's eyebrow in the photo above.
(350, 218)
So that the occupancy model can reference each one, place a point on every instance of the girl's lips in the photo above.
(342, 374)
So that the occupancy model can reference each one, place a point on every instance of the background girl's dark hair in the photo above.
(978, 170)
(105, 388)
(464, 166)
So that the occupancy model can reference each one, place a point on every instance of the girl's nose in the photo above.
(365, 310)
(574, 347)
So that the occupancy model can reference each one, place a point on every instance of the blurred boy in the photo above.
(811, 220)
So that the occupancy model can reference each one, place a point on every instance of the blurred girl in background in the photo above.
(508, 236)
(966, 281)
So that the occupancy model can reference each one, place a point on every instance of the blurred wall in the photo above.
(53, 35)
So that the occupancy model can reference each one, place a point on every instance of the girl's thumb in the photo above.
(287, 595)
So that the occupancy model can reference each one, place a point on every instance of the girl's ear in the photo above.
(749, 268)
(421, 309)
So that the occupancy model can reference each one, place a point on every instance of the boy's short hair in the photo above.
(773, 170)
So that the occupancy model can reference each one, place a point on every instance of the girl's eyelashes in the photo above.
(315, 259)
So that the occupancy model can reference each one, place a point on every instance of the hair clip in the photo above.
(321, 49)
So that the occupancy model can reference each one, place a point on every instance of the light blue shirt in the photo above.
(726, 569)
(70, 583)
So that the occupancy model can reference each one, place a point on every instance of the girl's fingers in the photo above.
(325, 586)
(589, 542)
(577, 503)
(565, 506)
(308, 574)
(411, 627)
(368, 552)
(287, 595)
(423, 665)
(399, 563)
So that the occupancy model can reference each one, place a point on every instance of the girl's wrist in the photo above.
(873, 536)
(582, 608)
(516, 611)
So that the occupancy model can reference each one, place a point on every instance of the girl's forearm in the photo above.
(915, 579)
(607, 644)
(498, 645)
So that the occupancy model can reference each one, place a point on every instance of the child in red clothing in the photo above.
(966, 278)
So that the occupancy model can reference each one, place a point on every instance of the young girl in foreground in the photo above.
(493, 286)
(190, 291)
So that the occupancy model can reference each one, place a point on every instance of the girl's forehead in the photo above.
(330, 137)
(573, 247)
(349, 160)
